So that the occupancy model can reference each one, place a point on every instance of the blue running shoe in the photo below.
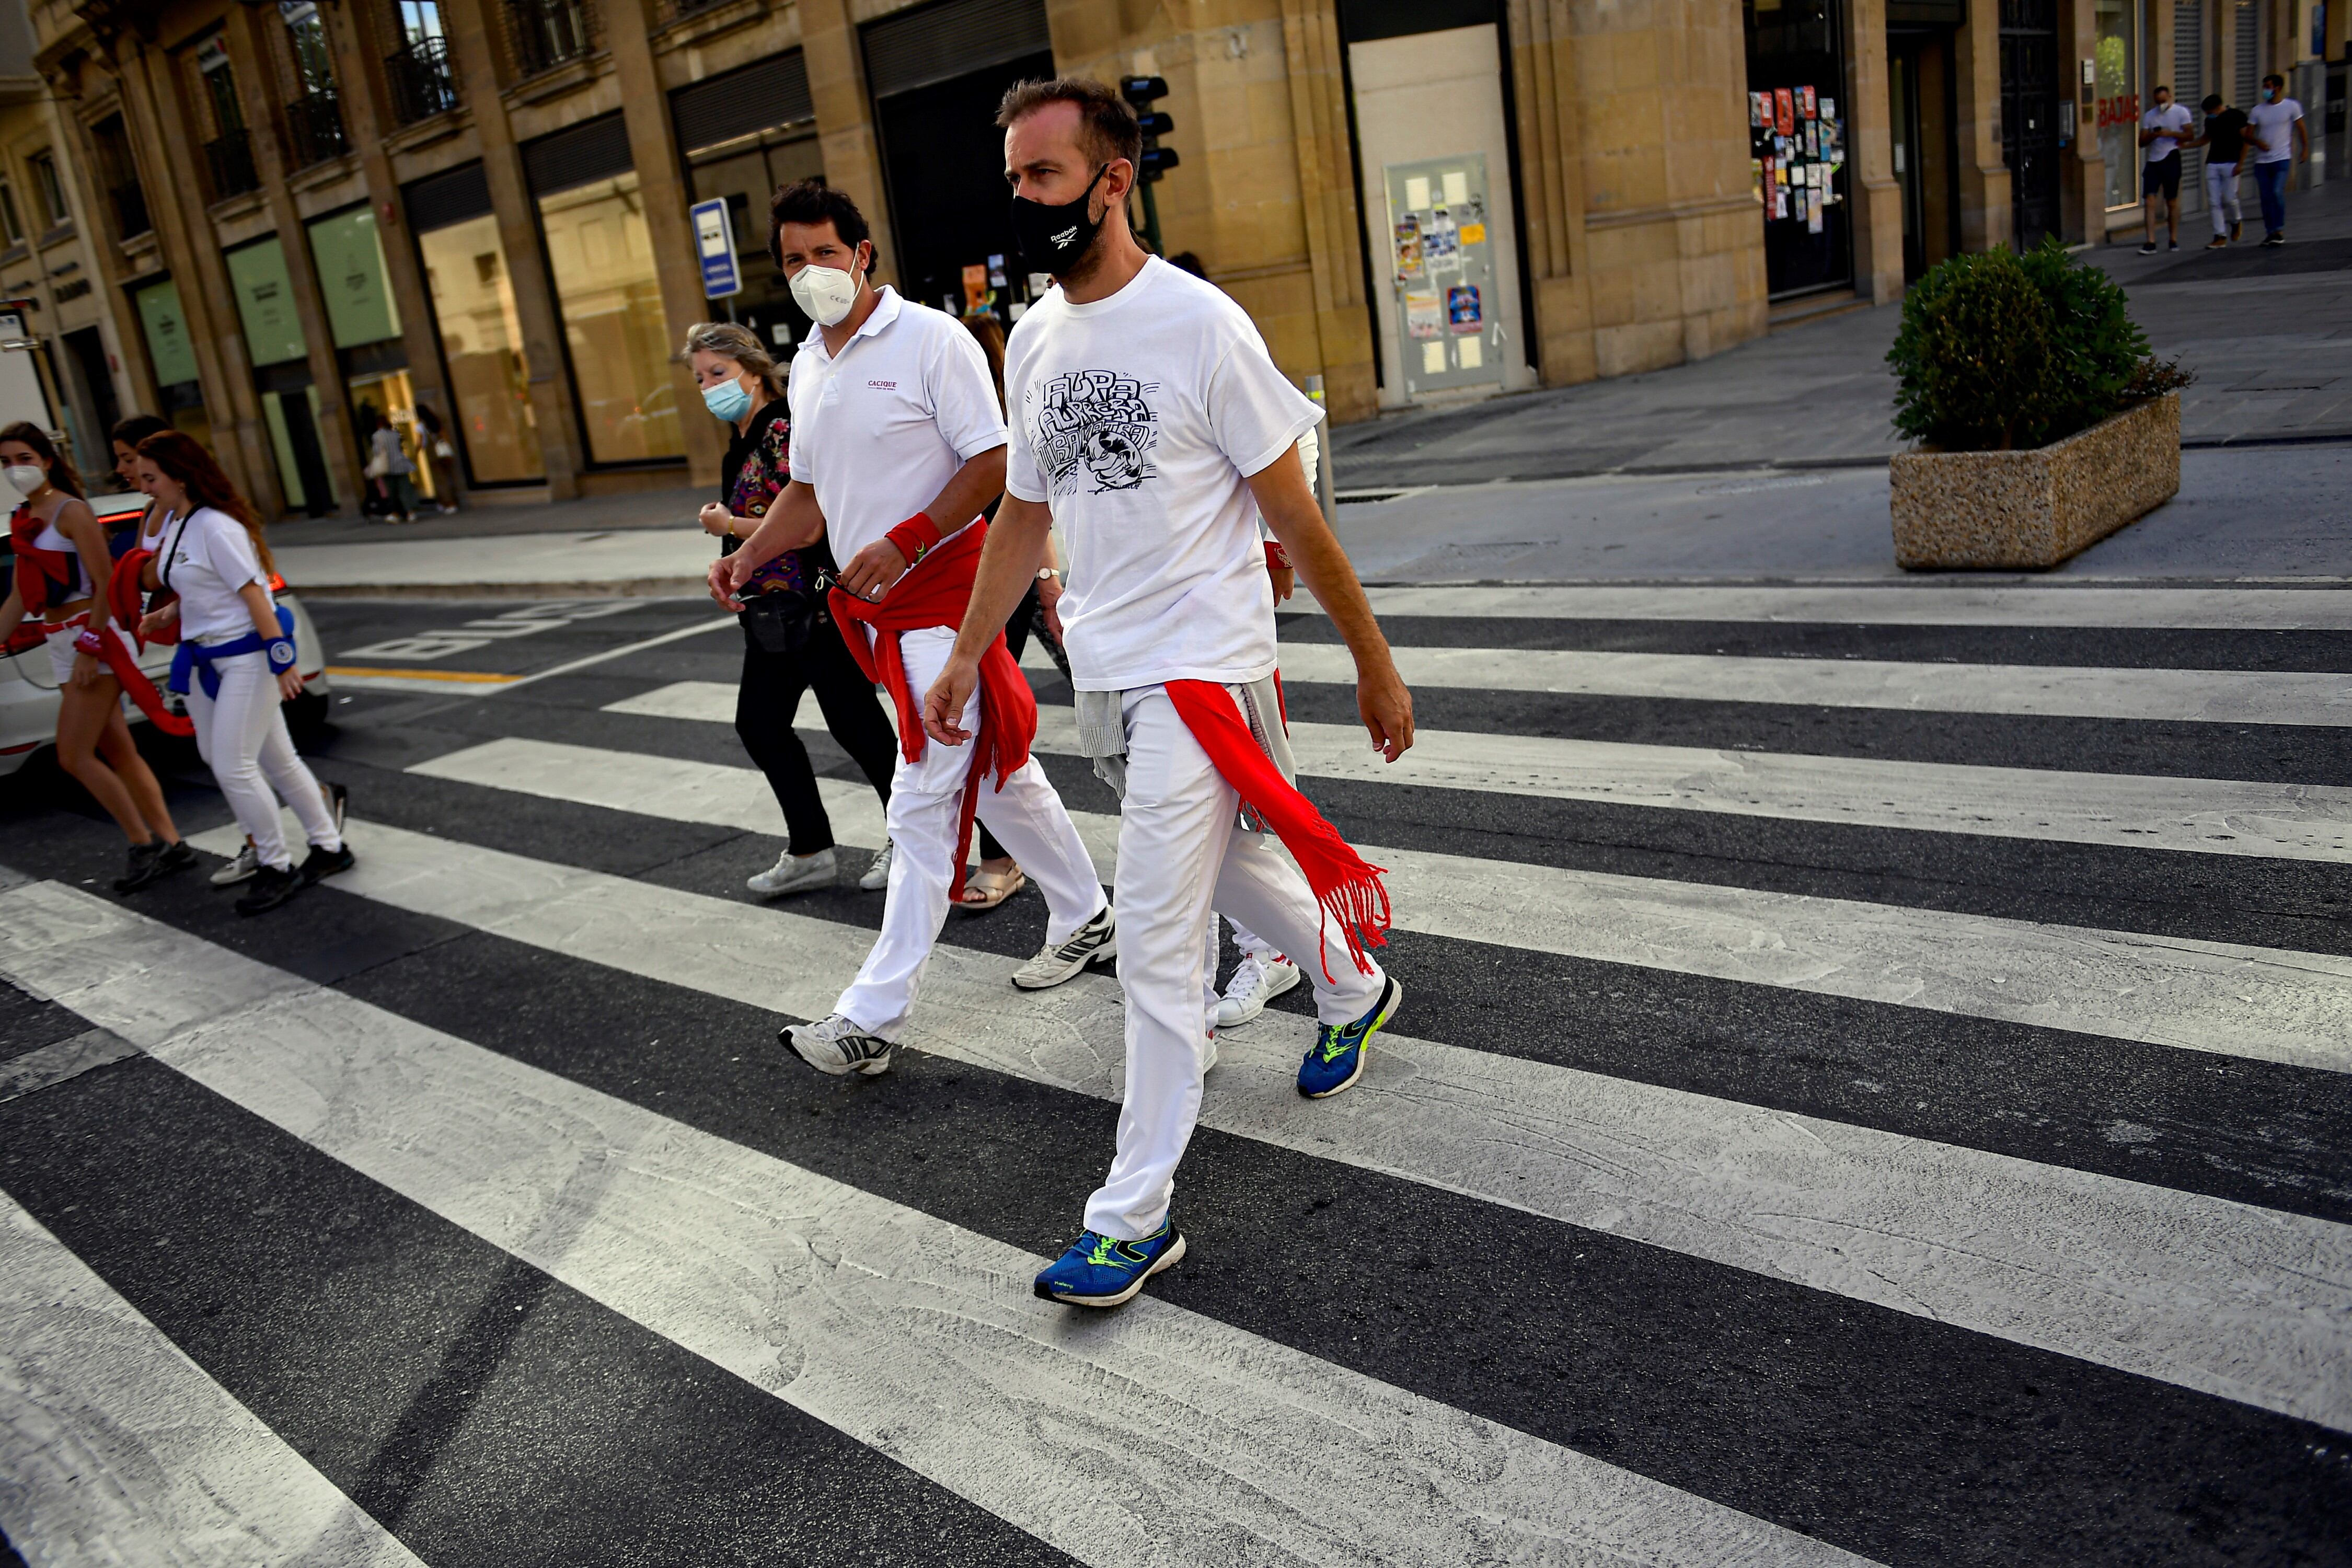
(1103, 1272)
(1336, 1061)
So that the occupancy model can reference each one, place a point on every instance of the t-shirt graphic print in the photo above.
(1139, 419)
(1095, 430)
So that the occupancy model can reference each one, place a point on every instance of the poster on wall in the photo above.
(1424, 315)
(1441, 247)
(1784, 111)
(1408, 247)
(1462, 312)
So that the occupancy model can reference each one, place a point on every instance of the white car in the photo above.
(28, 694)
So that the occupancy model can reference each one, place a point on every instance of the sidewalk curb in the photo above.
(626, 589)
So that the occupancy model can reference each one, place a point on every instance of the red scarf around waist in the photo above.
(36, 568)
(1349, 890)
(126, 604)
(937, 595)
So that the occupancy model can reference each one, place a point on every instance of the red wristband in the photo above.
(1275, 555)
(914, 537)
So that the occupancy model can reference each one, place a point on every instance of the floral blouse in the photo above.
(758, 468)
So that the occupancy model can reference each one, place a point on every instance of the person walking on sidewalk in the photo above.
(2284, 142)
(236, 663)
(389, 466)
(2161, 131)
(790, 647)
(1149, 422)
(898, 443)
(62, 568)
(2224, 140)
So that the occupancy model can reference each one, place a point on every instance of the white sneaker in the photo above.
(836, 1047)
(877, 875)
(1255, 982)
(239, 870)
(1056, 962)
(1209, 1054)
(794, 874)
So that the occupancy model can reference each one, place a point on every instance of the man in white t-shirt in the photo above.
(2277, 123)
(2162, 131)
(1149, 422)
(897, 445)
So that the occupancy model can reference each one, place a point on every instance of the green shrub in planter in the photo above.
(1999, 351)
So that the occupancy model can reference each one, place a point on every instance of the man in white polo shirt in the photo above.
(897, 445)
(1149, 421)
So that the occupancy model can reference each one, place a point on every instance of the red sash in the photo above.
(124, 604)
(36, 568)
(1349, 890)
(938, 595)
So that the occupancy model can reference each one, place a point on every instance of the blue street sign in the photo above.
(716, 246)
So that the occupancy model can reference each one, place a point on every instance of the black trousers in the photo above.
(768, 699)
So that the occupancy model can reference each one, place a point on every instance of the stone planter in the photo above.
(2035, 508)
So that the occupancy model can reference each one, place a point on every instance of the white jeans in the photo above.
(1181, 854)
(1027, 817)
(241, 734)
(2220, 188)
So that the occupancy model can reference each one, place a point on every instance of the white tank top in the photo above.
(49, 538)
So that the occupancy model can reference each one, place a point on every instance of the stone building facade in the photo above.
(483, 212)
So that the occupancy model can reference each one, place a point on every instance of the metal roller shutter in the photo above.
(440, 200)
(935, 43)
(770, 92)
(597, 149)
(2189, 90)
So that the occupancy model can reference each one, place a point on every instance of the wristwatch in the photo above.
(1046, 574)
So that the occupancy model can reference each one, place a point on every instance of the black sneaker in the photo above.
(2148, 249)
(152, 861)
(271, 887)
(324, 863)
(2279, 238)
(2174, 245)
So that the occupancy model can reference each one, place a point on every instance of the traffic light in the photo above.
(1140, 91)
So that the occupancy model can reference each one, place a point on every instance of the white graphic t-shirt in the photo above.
(1138, 419)
(206, 561)
(2275, 124)
(2172, 116)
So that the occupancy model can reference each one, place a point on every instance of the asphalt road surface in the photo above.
(1876, 1084)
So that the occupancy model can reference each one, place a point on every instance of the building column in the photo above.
(1543, 64)
(844, 118)
(1328, 199)
(1871, 185)
(652, 148)
(542, 334)
(154, 102)
(338, 443)
(2083, 167)
(1986, 220)
(367, 118)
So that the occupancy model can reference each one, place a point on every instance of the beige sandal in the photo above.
(994, 888)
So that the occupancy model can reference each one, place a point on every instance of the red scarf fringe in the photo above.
(1349, 888)
(938, 595)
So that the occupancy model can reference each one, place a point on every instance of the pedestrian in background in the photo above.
(2223, 139)
(2284, 142)
(127, 432)
(790, 644)
(437, 459)
(389, 466)
(2161, 131)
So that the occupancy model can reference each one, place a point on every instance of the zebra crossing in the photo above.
(1897, 1150)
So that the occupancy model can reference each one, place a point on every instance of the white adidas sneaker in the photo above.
(1092, 942)
(835, 1047)
(794, 874)
(1256, 981)
(877, 875)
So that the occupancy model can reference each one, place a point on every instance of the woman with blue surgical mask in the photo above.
(790, 645)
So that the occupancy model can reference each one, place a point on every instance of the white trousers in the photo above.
(2220, 189)
(1027, 817)
(241, 734)
(1181, 855)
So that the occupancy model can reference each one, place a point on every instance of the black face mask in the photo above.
(1052, 237)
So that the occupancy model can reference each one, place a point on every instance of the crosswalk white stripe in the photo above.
(1159, 1436)
(2267, 1003)
(2194, 696)
(2207, 816)
(2225, 1298)
(1941, 605)
(116, 1448)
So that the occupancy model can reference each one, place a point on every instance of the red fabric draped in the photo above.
(37, 569)
(125, 603)
(938, 595)
(1349, 890)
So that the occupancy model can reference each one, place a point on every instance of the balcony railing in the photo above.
(547, 33)
(424, 80)
(131, 218)
(230, 157)
(314, 123)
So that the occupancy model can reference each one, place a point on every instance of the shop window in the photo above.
(1797, 142)
(466, 278)
(602, 261)
(2119, 90)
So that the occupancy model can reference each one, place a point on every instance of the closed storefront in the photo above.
(471, 292)
(743, 135)
(600, 260)
(281, 371)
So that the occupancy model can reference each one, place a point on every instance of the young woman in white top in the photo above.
(63, 562)
(239, 660)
